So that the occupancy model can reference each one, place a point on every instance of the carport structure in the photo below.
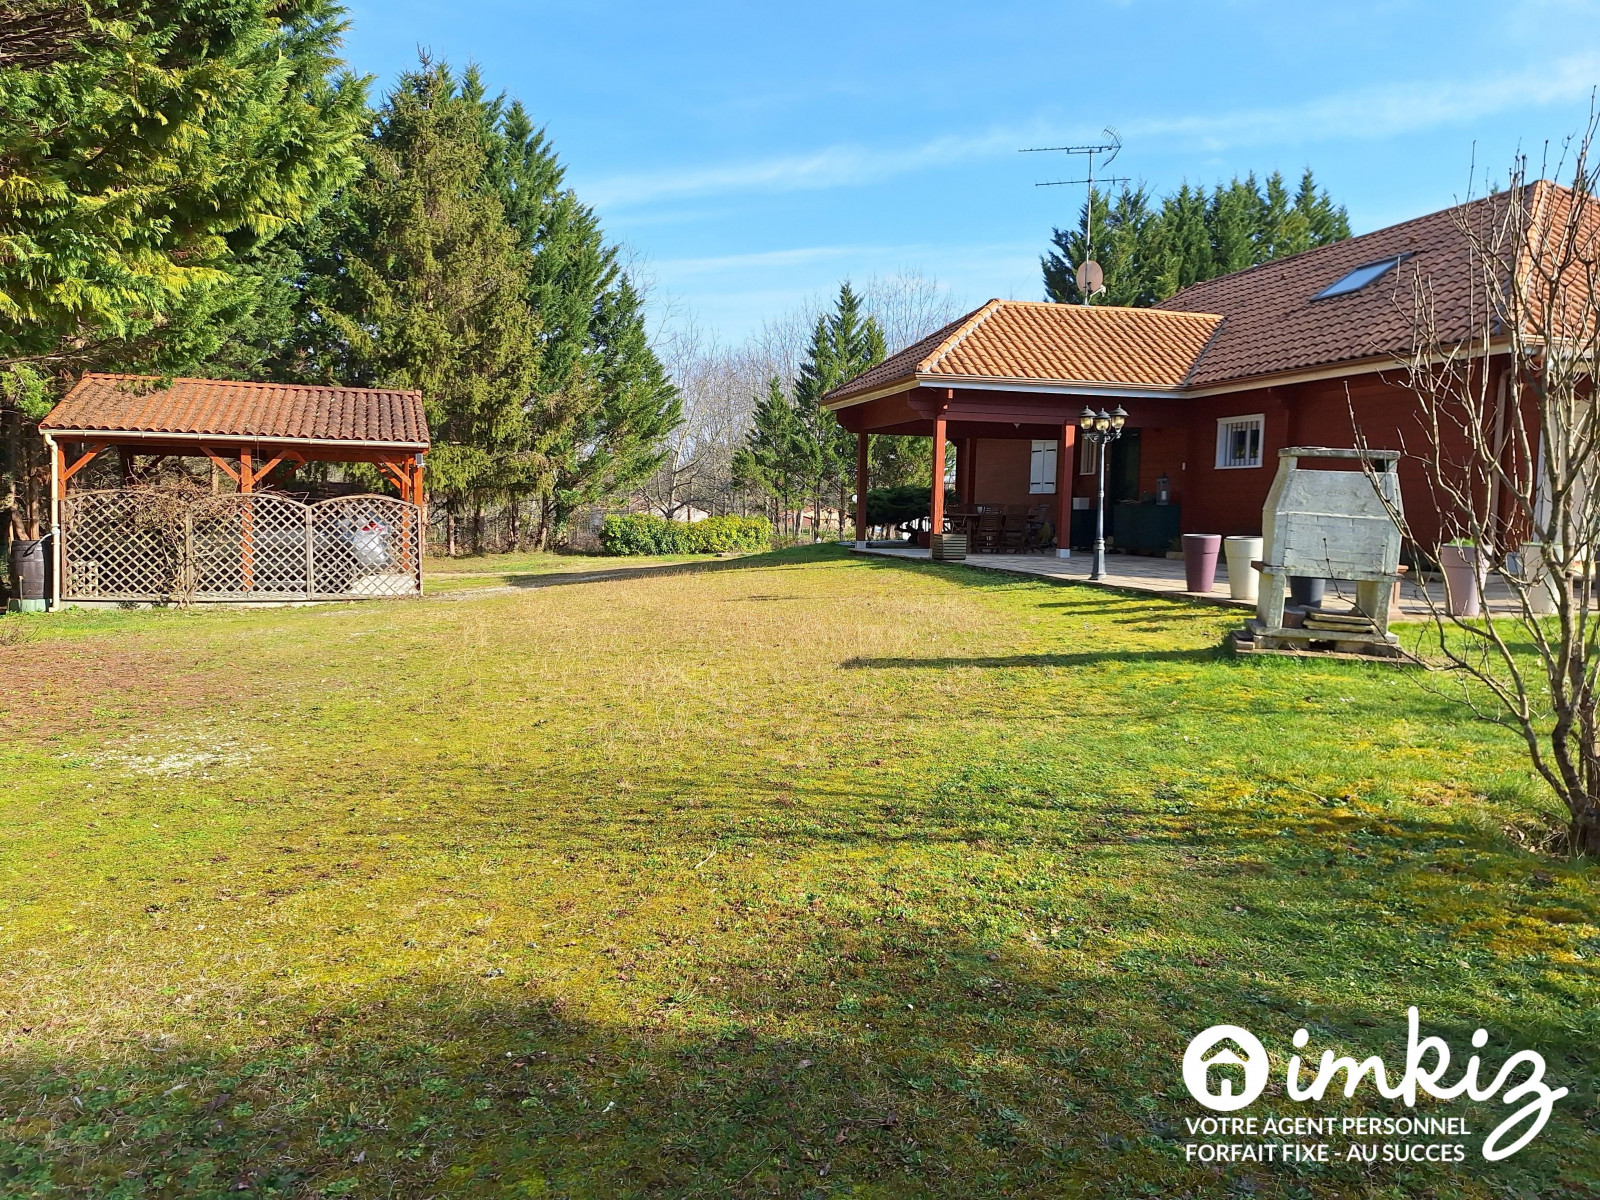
(141, 543)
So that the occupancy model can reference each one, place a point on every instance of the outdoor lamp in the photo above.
(1100, 429)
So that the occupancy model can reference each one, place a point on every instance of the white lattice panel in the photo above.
(154, 545)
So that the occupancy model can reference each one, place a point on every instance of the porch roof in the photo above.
(1034, 346)
(138, 409)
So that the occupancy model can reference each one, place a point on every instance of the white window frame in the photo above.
(1042, 467)
(1226, 426)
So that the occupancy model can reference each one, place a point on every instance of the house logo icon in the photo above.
(1199, 1061)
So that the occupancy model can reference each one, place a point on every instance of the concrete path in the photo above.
(1164, 577)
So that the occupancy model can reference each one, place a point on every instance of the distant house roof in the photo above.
(1050, 346)
(1286, 316)
(228, 410)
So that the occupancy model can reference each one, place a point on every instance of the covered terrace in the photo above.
(1021, 371)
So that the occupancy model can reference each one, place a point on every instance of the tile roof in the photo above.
(1276, 325)
(229, 409)
(1049, 345)
(1256, 323)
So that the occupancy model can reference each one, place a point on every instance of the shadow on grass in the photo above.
(1080, 659)
(794, 558)
(933, 1066)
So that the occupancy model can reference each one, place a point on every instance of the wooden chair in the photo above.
(990, 533)
(1013, 531)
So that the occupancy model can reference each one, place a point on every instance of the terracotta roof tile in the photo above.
(1255, 323)
(1050, 344)
(229, 409)
(1274, 324)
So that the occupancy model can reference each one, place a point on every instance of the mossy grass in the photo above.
(794, 874)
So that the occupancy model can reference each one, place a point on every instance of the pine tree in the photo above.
(150, 153)
(1148, 254)
(1124, 233)
(596, 358)
(138, 163)
(844, 343)
(431, 293)
(1235, 218)
(618, 438)
(773, 458)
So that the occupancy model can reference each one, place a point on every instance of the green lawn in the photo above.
(796, 874)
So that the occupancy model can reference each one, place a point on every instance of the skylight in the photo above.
(1361, 276)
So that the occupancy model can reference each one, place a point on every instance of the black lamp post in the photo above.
(1101, 428)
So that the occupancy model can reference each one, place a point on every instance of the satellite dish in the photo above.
(1090, 278)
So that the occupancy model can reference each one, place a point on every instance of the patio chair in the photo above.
(1014, 531)
(991, 532)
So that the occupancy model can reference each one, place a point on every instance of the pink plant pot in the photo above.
(1200, 551)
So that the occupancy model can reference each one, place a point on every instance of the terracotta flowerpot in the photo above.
(1463, 580)
(1200, 552)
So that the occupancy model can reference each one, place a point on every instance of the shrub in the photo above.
(719, 535)
(642, 533)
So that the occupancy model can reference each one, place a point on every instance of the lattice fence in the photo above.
(152, 544)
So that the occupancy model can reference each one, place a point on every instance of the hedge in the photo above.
(642, 533)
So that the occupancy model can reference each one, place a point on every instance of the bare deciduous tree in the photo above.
(1505, 377)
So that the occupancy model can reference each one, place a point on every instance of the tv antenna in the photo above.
(1088, 276)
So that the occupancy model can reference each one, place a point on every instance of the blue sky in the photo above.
(754, 154)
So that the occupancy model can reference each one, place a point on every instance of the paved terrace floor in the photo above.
(1164, 577)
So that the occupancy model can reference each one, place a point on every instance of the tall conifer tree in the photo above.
(1149, 253)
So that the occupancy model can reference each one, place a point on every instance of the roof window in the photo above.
(1361, 276)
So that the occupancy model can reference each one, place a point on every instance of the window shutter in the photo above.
(1042, 468)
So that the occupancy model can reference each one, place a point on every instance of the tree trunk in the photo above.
(477, 527)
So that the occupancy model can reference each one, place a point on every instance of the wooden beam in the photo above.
(83, 461)
(246, 476)
(397, 476)
(221, 462)
(263, 472)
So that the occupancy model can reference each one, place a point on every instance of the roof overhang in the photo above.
(981, 383)
(1373, 365)
(227, 439)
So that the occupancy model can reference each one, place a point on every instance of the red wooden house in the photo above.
(1215, 380)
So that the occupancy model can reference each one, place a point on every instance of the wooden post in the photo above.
(247, 550)
(1065, 454)
(936, 507)
(58, 488)
(861, 490)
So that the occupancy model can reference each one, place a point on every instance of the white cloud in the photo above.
(834, 166)
(1367, 113)
(1386, 111)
